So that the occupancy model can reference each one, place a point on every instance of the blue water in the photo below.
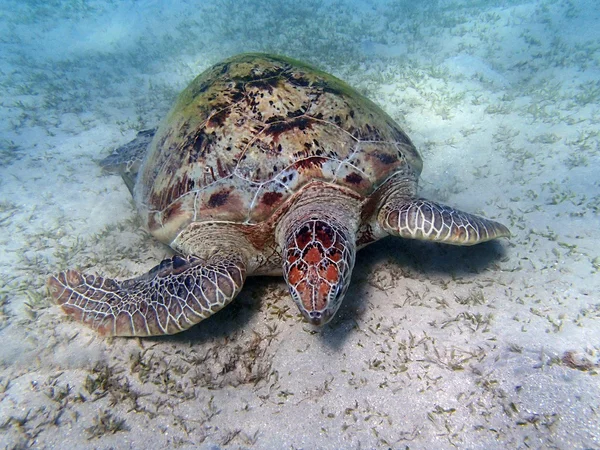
(502, 99)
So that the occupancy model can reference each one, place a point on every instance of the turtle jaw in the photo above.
(318, 318)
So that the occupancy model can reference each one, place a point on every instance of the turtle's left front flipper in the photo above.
(429, 221)
(170, 298)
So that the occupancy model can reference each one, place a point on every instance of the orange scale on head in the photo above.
(314, 256)
(295, 275)
(325, 235)
(335, 254)
(304, 237)
(292, 258)
(323, 296)
(332, 274)
(305, 291)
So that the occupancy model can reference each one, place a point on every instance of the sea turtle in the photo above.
(264, 166)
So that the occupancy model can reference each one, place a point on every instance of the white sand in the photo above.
(495, 346)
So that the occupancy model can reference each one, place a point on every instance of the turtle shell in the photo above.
(251, 131)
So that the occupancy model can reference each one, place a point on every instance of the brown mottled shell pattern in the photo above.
(251, 131)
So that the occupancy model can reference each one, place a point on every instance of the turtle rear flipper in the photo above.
(126, 160)
(170, 298)
(429, 221)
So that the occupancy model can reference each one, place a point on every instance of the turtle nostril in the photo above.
(316, 317)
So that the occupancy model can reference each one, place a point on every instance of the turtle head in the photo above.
(318, 257)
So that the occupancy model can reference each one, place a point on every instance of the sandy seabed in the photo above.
(494, 346)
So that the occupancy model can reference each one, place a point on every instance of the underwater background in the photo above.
(494, 346)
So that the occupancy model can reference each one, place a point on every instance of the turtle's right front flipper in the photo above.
(173, 296)
(127, 159)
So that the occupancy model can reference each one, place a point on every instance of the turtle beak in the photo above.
(318, 318)
(308, 300)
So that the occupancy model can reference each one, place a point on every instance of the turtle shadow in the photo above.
(420, 259)
(226, 324)
(223, 350)
(433, 258)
